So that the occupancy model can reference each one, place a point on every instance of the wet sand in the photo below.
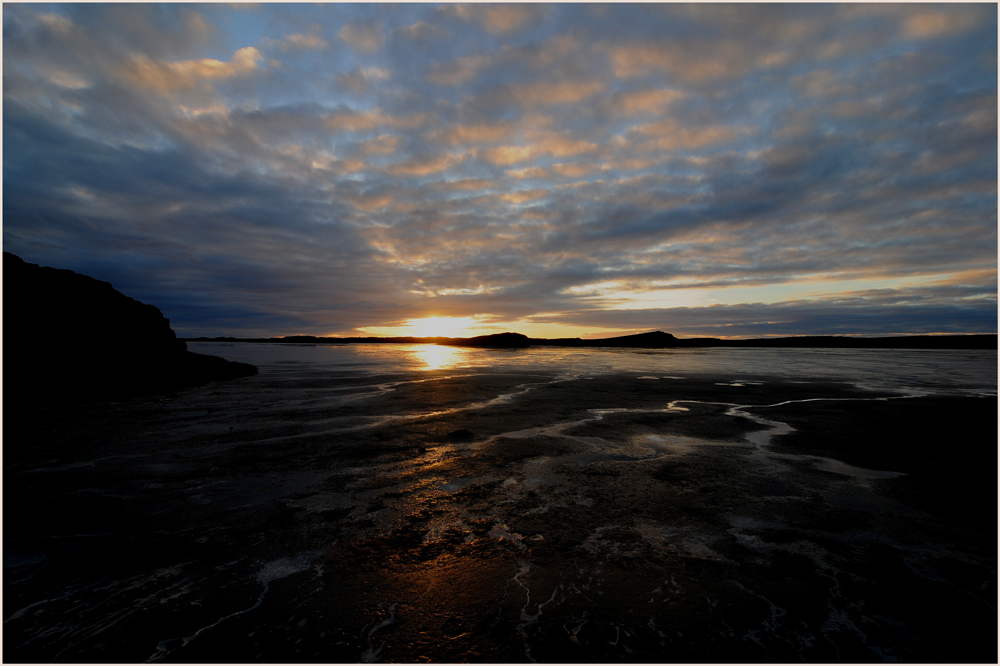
(463, 516)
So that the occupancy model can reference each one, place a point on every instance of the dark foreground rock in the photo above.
(70, 337)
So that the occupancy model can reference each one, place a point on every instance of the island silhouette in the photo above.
(651, 340)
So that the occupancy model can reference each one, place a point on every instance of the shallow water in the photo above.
(411, 503)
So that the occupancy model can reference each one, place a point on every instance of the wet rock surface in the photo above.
(502, 517)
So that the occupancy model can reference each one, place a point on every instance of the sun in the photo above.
(448, 327)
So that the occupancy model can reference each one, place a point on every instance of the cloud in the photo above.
(529, 172)
(505, 155)
(649, 101)
(744, 154)
(370, 200)
(166, 76)
(424, 166)
(497, 19)
(364, 37)
(466, 184)
(351, 120)
(56, 23)
(824, 83)
(302, 41)
(421, 31)
(931, 24)
(550, 93)
(524, 196)
(360, 79)
(670, 134)
(572, 170)
(479, 133)
(384, 144)
(690, 62)
(458, 71)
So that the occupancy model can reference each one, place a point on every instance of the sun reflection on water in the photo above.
(437, 357)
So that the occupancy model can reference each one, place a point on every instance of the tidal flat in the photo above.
(514, 506)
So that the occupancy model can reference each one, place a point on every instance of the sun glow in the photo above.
(450, 327)
(432, 327)
(435, 357)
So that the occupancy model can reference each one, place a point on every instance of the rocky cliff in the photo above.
(68, 336)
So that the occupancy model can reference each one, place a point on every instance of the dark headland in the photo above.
(653, 340)
(71, 337)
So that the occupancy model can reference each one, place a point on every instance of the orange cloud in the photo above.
(384, 144)
(299, 41)
(496, 19)
(563, 145)
(505, 155)
(469, 184)
(529, 172)
(482, 133)
(544, 93)
(726, 59)
(928, 24)
(523, 196)
(645, 101)
(572, 170)
(165, 76)
(556, 145)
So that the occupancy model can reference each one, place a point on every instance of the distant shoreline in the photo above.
(655, 340)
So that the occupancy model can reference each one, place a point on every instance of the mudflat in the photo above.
(505, 517)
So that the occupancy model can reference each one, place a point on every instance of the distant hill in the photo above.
(656, 339)
(71, 337)
(495, 341)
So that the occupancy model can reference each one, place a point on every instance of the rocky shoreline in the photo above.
(70, 337)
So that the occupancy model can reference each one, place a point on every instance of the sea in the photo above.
(973, 372)
(428, 503)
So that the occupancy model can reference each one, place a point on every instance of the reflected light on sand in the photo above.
(436, 357)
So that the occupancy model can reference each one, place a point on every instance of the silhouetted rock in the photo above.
(497, 340)
(71, 337)
(655, 339)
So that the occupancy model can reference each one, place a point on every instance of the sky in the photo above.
(556, 170)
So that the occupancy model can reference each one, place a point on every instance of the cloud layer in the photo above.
(564, 169)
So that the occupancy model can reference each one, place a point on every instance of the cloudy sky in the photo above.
(558, 170)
